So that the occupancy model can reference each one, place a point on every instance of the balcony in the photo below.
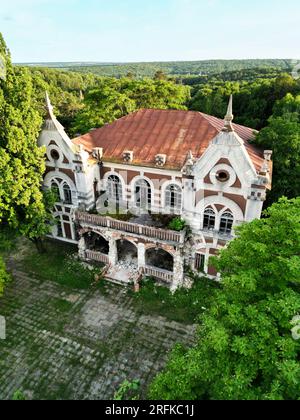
(134, 229)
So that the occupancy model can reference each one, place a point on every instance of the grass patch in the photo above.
(184, 306)
(58, 264)
(8, 240)
(62, 305)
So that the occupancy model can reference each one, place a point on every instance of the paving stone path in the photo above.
(70, 344)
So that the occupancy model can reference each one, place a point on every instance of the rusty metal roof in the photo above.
(150, 132)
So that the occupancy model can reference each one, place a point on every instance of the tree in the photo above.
(22, 162)
(245, 349)
(113, 99)
(283, 137)
(4, 276)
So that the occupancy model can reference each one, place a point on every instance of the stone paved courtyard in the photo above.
(69, 344)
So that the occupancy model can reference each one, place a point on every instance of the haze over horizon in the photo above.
(97, 31)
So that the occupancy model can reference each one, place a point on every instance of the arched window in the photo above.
(55, 190)
(226, 223)
(67, 194)
(209, 221)
(114, 188)
(173, 197)
(143, 194)
(59, 232)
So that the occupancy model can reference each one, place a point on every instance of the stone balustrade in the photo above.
(132, 228)
(97, 256)
(158, 273)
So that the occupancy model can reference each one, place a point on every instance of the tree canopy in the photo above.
(245, 349)
(114, 98)
(4, 276)
(22, 162)
(282, 135)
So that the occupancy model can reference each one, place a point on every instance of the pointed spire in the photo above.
(190, 158)
(49, 107)
(229, 116)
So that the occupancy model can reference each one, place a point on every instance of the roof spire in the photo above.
(229, 117)
(49, 107)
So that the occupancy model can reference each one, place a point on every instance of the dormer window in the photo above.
(128, 156)
(160, 160)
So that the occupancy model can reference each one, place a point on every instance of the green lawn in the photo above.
(58, 264)
(184, 306)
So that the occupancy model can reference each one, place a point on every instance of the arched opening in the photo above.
(159, 258)
(58, 227)
(127, 252)
(114, 188)
(173, 200)
(67, 194)
(209, 221)
(96, 242)
(55, 190)
(226, 223)
(143, 194)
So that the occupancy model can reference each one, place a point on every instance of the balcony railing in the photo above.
(133, 228)
(97, 256)
(166, 276)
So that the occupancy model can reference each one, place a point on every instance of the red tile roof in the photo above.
(150, 132)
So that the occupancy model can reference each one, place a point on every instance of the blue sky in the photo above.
(163, 30)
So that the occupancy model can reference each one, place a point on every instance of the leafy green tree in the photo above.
(22, 162)
(4, 276)
(245, 349)
(283, 137)
(113, 99)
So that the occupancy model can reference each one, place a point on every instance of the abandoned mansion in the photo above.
(119, 186)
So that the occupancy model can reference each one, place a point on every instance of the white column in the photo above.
(113, 252)
(81, 248)
(141, 255)
(178, 271)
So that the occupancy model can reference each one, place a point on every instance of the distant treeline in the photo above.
(183, 68)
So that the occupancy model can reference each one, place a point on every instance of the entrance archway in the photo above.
(127, 252)
(96, 242)
(159, 258)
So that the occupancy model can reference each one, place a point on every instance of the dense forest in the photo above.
(244, 347)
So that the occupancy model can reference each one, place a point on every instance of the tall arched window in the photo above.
(67, 194)
(209, 222)
(55, 190)
(173, 198)
(143, 194)
(226, 223)
(59, 232)
(114, 188)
